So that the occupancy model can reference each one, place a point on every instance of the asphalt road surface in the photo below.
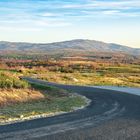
(112, 115)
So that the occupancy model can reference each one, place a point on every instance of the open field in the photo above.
(79, 71)
(88, 73)
(120, 79)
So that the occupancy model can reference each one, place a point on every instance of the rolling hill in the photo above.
(78, 46)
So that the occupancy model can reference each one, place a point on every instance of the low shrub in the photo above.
(9, 80)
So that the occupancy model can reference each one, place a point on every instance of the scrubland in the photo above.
(87, 73)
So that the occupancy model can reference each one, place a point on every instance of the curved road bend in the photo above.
(112, 115)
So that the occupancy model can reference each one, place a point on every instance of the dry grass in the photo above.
(13, 96)
(55, 100)
(77, 78)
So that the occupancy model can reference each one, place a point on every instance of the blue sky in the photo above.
(115, 21)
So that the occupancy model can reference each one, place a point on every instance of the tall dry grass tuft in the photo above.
(14, 96)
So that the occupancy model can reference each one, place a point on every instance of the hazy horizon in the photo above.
(40, 21)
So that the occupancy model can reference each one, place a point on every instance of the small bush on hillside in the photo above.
(8, 80)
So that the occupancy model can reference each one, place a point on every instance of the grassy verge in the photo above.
(55, 101)
(15, 96)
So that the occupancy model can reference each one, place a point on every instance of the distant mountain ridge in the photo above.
(66, 46)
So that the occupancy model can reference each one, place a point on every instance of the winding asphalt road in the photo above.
(112, 115)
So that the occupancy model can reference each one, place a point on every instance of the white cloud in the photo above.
(52, 23)
(18, 29)
(47, 14)
(104, 4)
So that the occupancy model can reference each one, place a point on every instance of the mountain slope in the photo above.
(69, 46)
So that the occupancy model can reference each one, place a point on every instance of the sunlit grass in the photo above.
(15, 96)
(127, 75)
